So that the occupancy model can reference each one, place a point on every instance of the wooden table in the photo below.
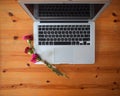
(19, 77)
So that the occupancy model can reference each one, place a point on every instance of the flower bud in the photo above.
(28, 50)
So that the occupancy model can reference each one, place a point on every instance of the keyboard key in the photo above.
(83, 28)
(73, 43)
(81, 32)
(51, 43)
(53, 35)
(58, 39)
(46, 43)
(88, 35)
(88, 28)
(66, 32)
(52, 32)
(54, 28)
(86, 39)
(41, 35)
(43, 28)
(39, 43)
(50, 28)
(67, 35)
(62, 39)
(70, 32)
(51, 39)
(62, 32)
(75, 35)
(88, 25)
(49, 36)
(80, 39)
(88, 32)
(71, 35)
(61, 28)
(46, 28)
(84, 43)
(81, 43)
(48, 32)
(65, 29)
(41, 39)
(77, 43)
(41, 32)
(69, 39)
(66, 39)
(88, 43)
(62, 43)
(40, 29)
(59, 32)
(55, 39)
(78, 36)
(43, 43)
(48, 39)
(72, 28)
(63, 35)
(73, 39)
(81, 35)
(76, 39)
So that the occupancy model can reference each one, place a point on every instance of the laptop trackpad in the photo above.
(63, 55)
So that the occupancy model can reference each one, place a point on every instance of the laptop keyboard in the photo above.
(64, 34)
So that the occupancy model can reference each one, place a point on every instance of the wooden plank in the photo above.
(48, 92)
(41, 76)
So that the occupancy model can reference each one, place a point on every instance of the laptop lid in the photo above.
(65, 10)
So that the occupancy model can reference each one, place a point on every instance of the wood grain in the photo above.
(20, 77)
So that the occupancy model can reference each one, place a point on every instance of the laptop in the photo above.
(64, 30)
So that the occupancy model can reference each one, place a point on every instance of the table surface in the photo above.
(20, 77)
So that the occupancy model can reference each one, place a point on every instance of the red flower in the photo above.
(28, 50)
(28, 37)
(34, 58)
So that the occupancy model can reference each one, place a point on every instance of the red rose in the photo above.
(28, 50)
(28, 37)
(34, 58)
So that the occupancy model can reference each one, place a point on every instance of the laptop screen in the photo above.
(64, 11)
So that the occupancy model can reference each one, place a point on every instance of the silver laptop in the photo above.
(64, 30)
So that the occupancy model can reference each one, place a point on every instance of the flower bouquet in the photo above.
(36, 58)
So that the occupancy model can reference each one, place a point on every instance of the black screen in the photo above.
(64, 11)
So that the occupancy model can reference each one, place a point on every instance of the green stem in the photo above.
(29, 43)
(59, 73)
(53, 68)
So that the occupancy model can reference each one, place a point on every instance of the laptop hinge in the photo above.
(63, 21)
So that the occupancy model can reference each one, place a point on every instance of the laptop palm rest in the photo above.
(63, 55)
